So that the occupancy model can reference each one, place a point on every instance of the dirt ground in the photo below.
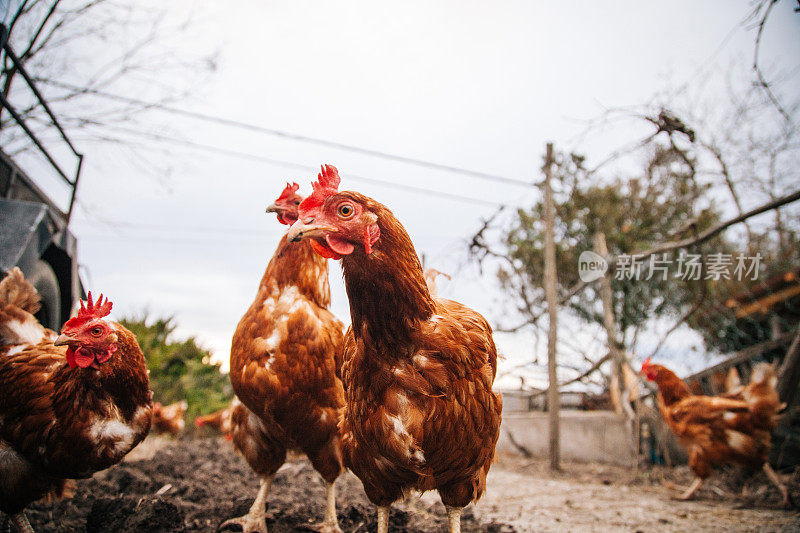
(194, 485)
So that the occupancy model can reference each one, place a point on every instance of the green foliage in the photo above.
(180, 370)
(635, 213)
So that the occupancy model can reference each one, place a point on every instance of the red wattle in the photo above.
(83, 358)
(339, 245)
(283, 219)
(323, 250)
(71, 357)
(105, 356)
(80, 357)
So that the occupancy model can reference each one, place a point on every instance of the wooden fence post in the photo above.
(601, 248)
(789, 374)
(621, 394)
(550, 280)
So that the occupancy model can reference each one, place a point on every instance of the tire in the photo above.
(44, 280)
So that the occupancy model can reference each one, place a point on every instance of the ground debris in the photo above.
(208, 483)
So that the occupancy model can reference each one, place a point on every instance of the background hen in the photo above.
(219, 420)
(418, 371)
(283, 369)
(81, 401)
(169, 418)
(717, 430)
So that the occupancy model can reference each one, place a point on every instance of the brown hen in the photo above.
(81, 401)
(169, 418)
(716, 430)
(284, 359)
(420, 412)
(219, 420)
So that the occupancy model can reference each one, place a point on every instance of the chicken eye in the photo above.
(96, 331)
(345, 210)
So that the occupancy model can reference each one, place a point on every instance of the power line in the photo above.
(289, 135)
(184, 240)
(123, 225)
(299, 166)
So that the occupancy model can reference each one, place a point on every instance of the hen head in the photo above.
(649, 370)
(336, 222)
(286, 205)
(91, 341)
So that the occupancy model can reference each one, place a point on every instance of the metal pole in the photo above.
(3, 37)
(74, 190)
(3, 41)
(5, 104)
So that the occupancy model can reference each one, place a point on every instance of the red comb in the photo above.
(645, 364)
(327, 184)
(90, 310)
(290, 189)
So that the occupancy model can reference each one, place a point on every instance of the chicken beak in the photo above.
(301, 230)
(63, 340)
(273, 208)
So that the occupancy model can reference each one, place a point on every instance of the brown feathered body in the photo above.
(418, 373)
(58, 422)
(716, 430)
(284, 359)
(169, 418)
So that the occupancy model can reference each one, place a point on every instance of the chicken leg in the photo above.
(691, 490)
(383, 520)
(331, 523)
(787, 499)
(454, 519)
(255, 519)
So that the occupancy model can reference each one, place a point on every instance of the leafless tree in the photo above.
(741, 151)
(77, 50)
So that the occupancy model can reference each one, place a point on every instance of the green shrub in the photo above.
(180, 370)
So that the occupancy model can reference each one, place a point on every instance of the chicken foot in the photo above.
(787, 499)
(331, 523)
(255, 519)
(691, 490)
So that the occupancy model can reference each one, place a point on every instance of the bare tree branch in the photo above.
(715, 230)
(45, 30)
(594, 368)
(684, 243)
(757, 69)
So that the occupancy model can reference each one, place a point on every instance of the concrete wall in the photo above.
(597, 436)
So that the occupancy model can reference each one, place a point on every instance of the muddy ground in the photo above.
(194, 485)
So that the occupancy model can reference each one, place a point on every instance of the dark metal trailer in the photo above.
(34, 230)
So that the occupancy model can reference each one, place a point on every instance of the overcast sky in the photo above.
(476, 85)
